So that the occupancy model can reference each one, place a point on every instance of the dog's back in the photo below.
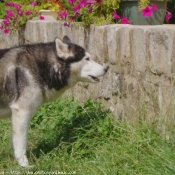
(21, 65)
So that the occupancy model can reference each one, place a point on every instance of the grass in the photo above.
(67, 137)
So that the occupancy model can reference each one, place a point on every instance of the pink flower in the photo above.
(66, 24)
(28, 12)
(19, 13)
(71, 19)
(76, 14)
(90, 1)
(6, 31)
(90, 9)
(115, 16)
(82, 3)
(168, 16)
(10, 13)
(63, 14)
(125, 21)
(7, 17)
(76, 8)
(33, 3)
(1, 27)
(147, 11)
(71, 1)
(6, 22)
(154, 7)
(41, 17)
(10, 4)
(7, 4)
(17, 6)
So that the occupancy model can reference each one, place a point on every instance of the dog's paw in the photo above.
(23, 161)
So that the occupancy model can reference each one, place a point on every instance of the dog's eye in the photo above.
(87, 59)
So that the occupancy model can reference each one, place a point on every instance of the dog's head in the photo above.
(82, 67)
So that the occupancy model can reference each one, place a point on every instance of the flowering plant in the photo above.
(148, 9)
(99, 12)
(17, 15)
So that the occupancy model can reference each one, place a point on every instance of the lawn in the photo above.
(67, 137)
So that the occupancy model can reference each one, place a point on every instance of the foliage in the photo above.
(147, 8)
(18, 12)
(89, 11)
(17, 15)
(101, 12)
(142, 4)
(52, 5)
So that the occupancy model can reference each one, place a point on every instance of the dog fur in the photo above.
(31, 75)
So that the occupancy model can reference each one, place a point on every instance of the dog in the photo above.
(31, 75)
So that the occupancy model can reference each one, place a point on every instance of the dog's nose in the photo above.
(106, 68)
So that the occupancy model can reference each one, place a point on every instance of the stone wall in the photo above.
(140, 82)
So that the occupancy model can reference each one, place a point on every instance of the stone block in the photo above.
(140, 57)
(125, 44)
(9, 40)
(66, 31)
(31, 31)
(41, 31)
(78, 35)
(160, 50)
(100, 36)
(58, 29)
(90, 41)
(113, 40)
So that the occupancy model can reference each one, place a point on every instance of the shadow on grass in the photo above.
(90, 123)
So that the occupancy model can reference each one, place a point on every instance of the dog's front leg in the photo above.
(20, 123)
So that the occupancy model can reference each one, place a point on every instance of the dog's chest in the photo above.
(52, 95)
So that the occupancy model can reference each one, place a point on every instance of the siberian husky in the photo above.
(31, 75)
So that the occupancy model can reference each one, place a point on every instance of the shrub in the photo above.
(88, 12)
(16, 15)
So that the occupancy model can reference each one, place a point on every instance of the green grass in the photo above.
(66, 136)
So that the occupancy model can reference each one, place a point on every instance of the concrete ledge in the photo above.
(141, 59)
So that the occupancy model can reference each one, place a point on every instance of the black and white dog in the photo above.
(31, 75)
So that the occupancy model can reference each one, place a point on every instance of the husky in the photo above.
(31, 75)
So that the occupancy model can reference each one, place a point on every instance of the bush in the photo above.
(89, 12)
(16, 15)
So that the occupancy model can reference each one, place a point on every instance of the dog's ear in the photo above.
(61, 48)
(66, 39)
